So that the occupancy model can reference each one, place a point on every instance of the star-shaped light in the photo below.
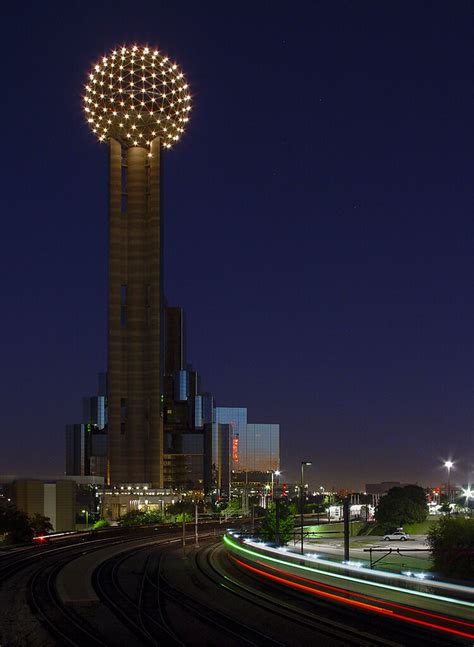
(136, 94)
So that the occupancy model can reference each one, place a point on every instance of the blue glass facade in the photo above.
(198, 418)
(181, 386)
(203, 407)
(86, 442)
(94, 410)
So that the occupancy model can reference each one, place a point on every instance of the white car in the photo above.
(397, 535)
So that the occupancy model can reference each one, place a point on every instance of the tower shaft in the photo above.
(135, 423)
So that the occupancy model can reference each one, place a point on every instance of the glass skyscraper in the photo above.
(252, 447)
(86, 442)
(259, 448)
(236, 418)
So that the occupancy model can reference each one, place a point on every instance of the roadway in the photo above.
(147, 591)
(359, 547)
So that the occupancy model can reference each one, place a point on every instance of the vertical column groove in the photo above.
(117, 272)
(154, 337)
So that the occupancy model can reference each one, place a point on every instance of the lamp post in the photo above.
(303, 464)
(469, 494)
(274, 473)
(448, 465)
(86, 512)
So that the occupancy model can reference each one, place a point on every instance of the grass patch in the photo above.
(419, 528)
(379, 529)
(336, 529)
(361, 529)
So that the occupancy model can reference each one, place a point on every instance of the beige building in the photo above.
(54, 499)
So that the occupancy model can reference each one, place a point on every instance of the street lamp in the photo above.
(448, 465)
(468, 493)
(303, 465)
(86, 512)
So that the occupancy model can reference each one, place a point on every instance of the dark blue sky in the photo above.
(319, 228)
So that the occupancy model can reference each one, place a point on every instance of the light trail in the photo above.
(430, 596)
(359, 568)
(363, 596)
(356, 603)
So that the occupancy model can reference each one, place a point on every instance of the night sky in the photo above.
(318, 225)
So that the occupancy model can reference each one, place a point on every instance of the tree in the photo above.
(141, 517)
(15, 525)
(279, 527)
(451, 540)
(181, 506)
(233, 507)
(402, 505)
(40, 524)
(187, 517)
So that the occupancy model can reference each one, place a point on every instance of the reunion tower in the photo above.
(138, 102)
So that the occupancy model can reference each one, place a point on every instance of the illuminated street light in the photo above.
(303, 465)
(448, 465)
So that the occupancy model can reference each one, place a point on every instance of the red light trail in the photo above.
(365, 605)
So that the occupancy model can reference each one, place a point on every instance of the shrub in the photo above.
(141, 517)
(451, 540)
(100, 523)
(40, 524)
(15, 525)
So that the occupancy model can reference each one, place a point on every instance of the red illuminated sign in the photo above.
(235, 449)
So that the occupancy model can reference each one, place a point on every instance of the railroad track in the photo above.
(136, 613)
(322, 626)
(60, 621)
(149, 613)
(10, 565)
(249, 587)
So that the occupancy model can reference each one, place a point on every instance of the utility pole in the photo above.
(184, 534)
(277, 521)
(196, 536)
(346, 509)
(303, 463)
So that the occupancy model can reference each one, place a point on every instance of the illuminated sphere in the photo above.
(136, 94)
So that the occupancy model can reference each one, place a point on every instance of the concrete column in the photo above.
(137, 189)
(117, 277)
(155, 310)
(134, 340)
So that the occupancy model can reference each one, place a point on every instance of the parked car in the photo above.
(397, 535)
